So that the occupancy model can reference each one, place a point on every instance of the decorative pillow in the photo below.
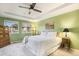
(51, 34)
(44, 33)
(25, 39)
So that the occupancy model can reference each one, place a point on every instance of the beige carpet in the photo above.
(63, 52)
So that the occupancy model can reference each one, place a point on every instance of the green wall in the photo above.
(1, 21)
(18, 36)
(68, 20)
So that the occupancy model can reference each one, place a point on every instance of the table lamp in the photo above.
(66, 30)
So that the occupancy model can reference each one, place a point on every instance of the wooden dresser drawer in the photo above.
(1, 31)
(1, 36)
(4, 36)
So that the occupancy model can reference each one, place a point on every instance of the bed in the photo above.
(39, 45)
(43, 44)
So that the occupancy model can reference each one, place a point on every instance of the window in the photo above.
(12, 25)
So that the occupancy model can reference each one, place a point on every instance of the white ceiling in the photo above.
(48, 10)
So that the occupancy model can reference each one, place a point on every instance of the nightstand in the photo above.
(66, 43)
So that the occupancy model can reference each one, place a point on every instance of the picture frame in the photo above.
(26, 27)
(49, 25)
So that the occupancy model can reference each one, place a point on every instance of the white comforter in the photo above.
(43, 44)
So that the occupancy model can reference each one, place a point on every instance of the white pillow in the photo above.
(44, 33)
(53, 34)
(25, 39)
(49, 35)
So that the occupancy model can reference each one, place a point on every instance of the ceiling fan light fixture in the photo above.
(30, 11)
(32, 7)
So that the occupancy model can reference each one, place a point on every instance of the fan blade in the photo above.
(32, 6)
(37, 10)
(23, 7)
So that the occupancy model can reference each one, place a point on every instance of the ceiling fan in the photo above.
(32, 7)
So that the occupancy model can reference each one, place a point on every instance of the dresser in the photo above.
(4, 36)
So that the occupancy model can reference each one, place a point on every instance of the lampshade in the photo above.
(66, 30)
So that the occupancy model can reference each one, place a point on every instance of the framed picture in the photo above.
(12, 25)
(26, 27)
(49, 25)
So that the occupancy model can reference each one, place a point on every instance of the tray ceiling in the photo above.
(13, 10)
